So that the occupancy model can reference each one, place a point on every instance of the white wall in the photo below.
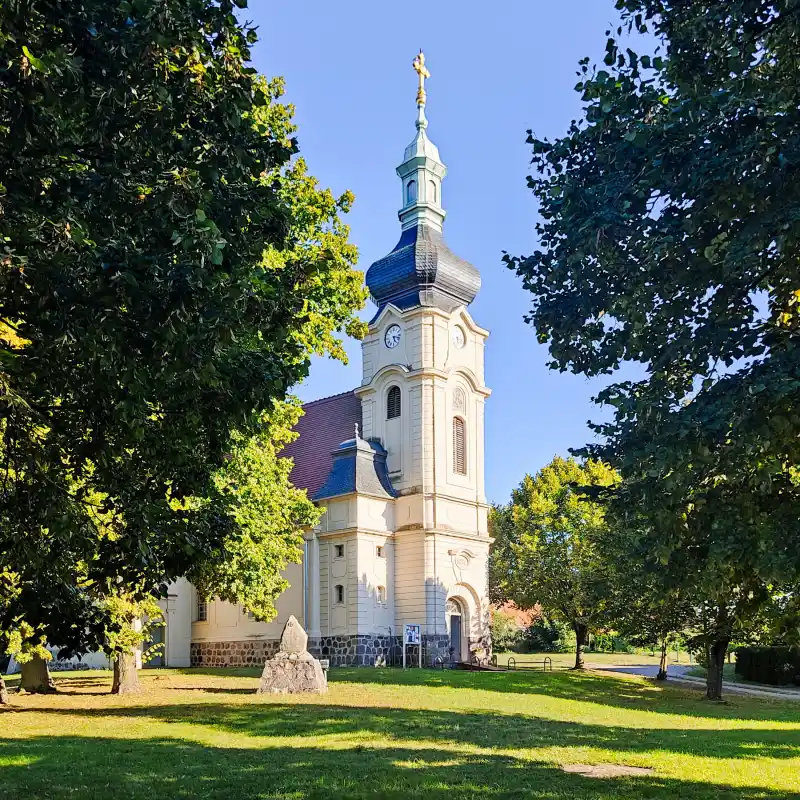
(229, 623)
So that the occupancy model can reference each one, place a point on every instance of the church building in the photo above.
(397, 464)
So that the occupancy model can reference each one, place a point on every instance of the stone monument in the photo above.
(293, 670)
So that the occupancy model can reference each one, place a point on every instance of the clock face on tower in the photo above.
(458, 337)
(392, 336)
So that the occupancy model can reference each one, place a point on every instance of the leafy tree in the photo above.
(9, 589)
(555, 560)
(502, 563)
(132, 624)
(167, 268)
(641, 606)
(506, 635)
(670, 237)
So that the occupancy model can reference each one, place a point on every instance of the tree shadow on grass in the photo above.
(130, 769)
(603, 688)
(487, 729)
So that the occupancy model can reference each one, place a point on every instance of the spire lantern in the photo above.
(422, 270)
(422, 171)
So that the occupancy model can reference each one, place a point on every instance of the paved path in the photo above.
(645, 670)
(676, 673)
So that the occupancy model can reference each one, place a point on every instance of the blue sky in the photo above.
(497, 70)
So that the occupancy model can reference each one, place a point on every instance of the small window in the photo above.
(202, 609)
(459, 447)
(338, 594)
(393, 406)
(379, 551)
(338, 551)
(249, 614)
(411, 192)
(380, 594)
(432, 191)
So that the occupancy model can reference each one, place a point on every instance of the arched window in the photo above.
(338, 594)
(393, 403)
(380, 594)
(411, 192)
(432, 192)
(459, 446)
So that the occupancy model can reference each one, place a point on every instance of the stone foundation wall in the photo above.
(57, 665)
(341, 651)
(233, 654)
(352, 651)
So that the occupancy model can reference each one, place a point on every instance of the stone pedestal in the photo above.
(293, 670)
(285, 675)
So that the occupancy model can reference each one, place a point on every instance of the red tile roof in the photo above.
(523, 617)
(325, 424)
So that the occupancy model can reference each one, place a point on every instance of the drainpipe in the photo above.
(305, 583)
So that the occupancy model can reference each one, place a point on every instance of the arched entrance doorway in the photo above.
(456, 628)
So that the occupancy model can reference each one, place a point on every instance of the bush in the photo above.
(610, 643)
(506, 634)
(549, 636)
(775, 665)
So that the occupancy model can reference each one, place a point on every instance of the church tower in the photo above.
(423, 396)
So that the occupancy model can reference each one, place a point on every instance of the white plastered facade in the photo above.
(375, 563)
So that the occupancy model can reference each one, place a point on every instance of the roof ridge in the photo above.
(330, 397)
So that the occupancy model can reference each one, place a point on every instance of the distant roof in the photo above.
(523, 617)
(325, 424)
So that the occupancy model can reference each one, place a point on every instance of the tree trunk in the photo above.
(580, 641)
(662, 665)
(716, 661)
(3, 692)
(36, 677)
(126, 678)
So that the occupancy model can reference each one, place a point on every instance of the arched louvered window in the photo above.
(411, 192)
(459, 446)
(393, 403)
(432, 192)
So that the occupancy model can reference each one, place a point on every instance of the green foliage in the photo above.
(502, 555)
(24, 643)
(669, 238)
(775, 665)
(641, 606)
(506, 635)
(131, 623)
(547, 635)
(167, 269)
(266, 514)
(550, 528)
(610, 643)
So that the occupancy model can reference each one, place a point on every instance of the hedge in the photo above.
(775, 665)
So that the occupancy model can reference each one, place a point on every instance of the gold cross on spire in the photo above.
(421, 70)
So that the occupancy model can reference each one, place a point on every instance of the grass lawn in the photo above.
(389, 734)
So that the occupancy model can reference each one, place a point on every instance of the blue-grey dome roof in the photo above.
(359, 466)
(423, 271)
